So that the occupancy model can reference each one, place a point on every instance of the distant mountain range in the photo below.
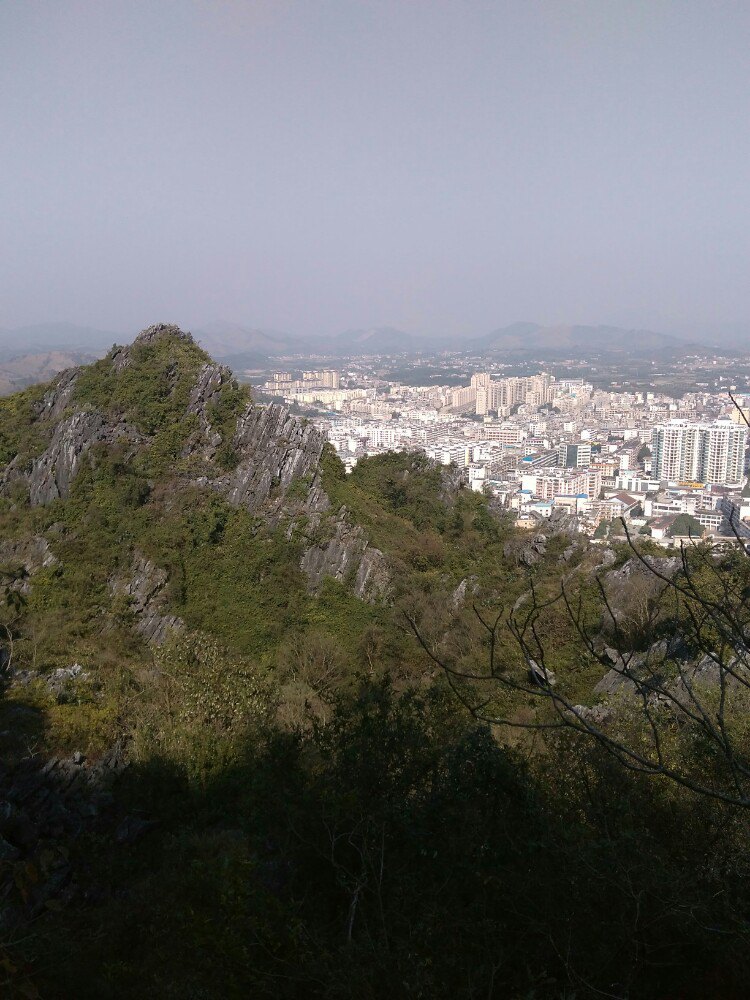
(240, 344)
(44, 337)
(246, 346)
(378, 340)
(732, 335)
(530, 338)
(224, 340)
(28, 369)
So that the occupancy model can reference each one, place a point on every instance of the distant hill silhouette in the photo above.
(242, 345)
(376, 340)
(223, 339)
(43, 337)
(527, 338)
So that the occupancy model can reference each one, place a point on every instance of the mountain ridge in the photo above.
(531, 337)
(245, 345)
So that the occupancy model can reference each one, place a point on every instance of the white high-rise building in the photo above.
(706, 453)
(675, 448)
(723, 453)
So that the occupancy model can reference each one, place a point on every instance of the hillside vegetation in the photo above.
(225, 774)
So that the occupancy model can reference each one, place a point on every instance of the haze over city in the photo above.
(438, 167)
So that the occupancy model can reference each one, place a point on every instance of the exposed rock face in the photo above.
(62, 681)
(53, 472)
(667, 675)
(614, 682)
(633, 568)
(373, 578)
(316, 502)
(205, 392)
(59, 397)
(595, 715)
(160, 330)
(31, 553)
(144, 586)
(707, 673)
(276, 448)
(562, 522)
(540, 675)
(608, 558)
(451, 482)
(469, 585)
(527, 550)
(347, 556)
(633, 590)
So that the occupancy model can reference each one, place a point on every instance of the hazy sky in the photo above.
(314, 165)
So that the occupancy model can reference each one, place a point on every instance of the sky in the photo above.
(311, 166)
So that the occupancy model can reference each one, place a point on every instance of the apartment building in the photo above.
(578, 455)
(547, 486)
(692, 452)
(501, 394)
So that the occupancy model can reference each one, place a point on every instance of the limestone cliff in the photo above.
(275, 448)
(143, 586)
(347, 556)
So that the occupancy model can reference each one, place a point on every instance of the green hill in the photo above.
(229, 767)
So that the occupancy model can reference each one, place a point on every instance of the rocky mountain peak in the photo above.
(174, 416)
(161, 331)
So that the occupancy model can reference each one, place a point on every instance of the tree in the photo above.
(680, 679)
(15, 603)
(680, 705)
(602, 529)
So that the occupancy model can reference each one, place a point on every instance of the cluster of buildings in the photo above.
(500, 396)
(283, 383)
(540, 444)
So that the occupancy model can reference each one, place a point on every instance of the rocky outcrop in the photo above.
(122, 357)
(30, 554)
(275, 448)
(634, 568)
(709, 672)
(204, 394)
(562, 522)
(467, 587)
(451, 482)
(55, 469)
(158, 331)
(607, 558)
(63, 681)
(613, 683)
(347, 556)
(143, 586)
(316, 502)
(373, 578)
(526, 550)
(59, 396)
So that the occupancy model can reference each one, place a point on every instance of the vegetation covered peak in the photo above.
(148, 382)
(162, 331)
